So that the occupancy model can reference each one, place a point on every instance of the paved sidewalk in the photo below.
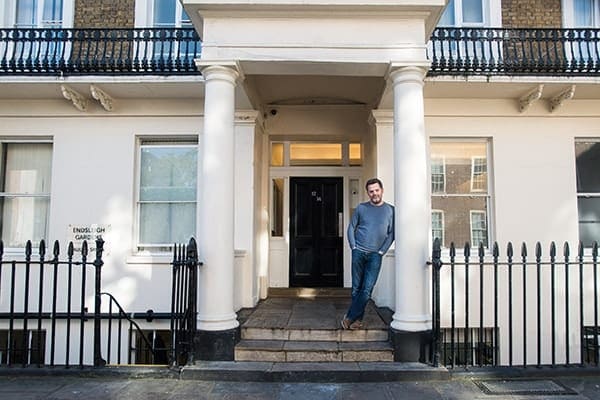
(460, 387)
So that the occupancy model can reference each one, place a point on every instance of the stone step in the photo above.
(327, 372)
(313, 351)
(320, 335)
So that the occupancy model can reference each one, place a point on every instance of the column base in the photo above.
(411, 346)
(216, 345)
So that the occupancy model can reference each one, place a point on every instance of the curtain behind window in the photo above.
(26, 187)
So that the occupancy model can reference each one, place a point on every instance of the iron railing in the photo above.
(506, 51)
(34, 51)
(166, 51)
(46, 318)
(515, 310)
(184, 300)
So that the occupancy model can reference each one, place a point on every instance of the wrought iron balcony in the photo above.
(168, 51)
(163, 51)
(499, 51)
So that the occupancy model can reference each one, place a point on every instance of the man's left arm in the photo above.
(389, 239)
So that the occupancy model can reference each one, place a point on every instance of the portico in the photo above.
(247, 48)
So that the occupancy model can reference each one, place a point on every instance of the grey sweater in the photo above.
(371, 228)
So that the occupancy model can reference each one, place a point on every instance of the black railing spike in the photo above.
(580, 250)
(566, 251)
(595, 249)
(481, 250)
(56, 249)
(467, 250)
(70, 250)
(552, 249)
(42, 248)
(495, 250)
(1, 248)
(84, 248)
(28, 248)
(509, 249)
(523, 250)
(538, 250)
(452, 249)
(192, 248)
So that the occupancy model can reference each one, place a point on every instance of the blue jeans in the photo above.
(365, 270)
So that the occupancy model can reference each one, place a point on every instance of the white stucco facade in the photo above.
(301, 72)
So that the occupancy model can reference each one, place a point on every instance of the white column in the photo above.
(412, 201)
(215, 222)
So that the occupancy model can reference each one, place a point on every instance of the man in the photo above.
(370, 234)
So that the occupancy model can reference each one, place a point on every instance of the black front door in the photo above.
(316, 234)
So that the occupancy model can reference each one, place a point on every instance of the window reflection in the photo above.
(459, 192)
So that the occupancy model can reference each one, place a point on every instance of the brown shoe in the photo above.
(346, 323)
(356, 325)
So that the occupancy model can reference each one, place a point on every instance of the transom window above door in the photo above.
(340, 154)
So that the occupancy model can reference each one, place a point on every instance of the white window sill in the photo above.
(165, 258)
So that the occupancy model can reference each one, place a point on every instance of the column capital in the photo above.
(403, 73)
(247, 117)
(381, 117)
(223, 70)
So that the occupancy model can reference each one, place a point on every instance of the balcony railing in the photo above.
(164, 51)
(167, 51)
(498, 51)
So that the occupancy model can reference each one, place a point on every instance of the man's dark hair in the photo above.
(372, 181)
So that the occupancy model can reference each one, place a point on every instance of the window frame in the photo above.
(443, 174)
(492, 15)
(163, 141)
(144, 15)
(442, 229)
(476, 178)
(474, 244)
(568, 15)
(583, 194)
(48, 195)
(8, 15)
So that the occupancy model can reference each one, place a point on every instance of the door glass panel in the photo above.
(277, 208)
(315, 153)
